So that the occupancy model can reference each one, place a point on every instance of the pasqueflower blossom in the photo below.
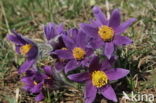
(53, 34)
(25, 47)
(97, 79)
(34, 81)
(107, 33)
(61, 63)
(77, 51)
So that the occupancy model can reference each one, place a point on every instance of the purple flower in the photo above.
(61, 63)
(98, 78)
(77, 51)
(106, 33)
(39, 97)
(53, 34)
(34, 81)
(25, 47)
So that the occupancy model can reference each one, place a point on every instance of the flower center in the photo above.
(25, 48)
(106, 33)
(79, 53)
(99, 78)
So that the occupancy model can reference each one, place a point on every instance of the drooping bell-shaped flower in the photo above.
(53, 34)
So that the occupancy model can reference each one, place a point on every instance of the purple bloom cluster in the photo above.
(35, 80)
(75, 49)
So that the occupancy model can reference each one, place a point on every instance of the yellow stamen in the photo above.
(25, 48)
(106, 33)
(99, 78)
(64, 48)
(79, 53)
(35, 83)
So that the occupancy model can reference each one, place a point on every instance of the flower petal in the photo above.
(124, 26)
(48, 70)
(95, 23)
(73, 33)
(69, 43)
(81, 39)
(59, 66)
(13, 39)
(89, 92)
(49, 31)
(114, 21)
(85, 62)
(33, 53)
(122, 40)
(94, 65)
(27, 81)
(39, 97)
(89, 50)
(99, 15)
(64, 54)
(117, 73)
(96, 43)
(30, 73)
(22, 39)
(19, 40)
(59, 28)
(89, 29)
(106, 65)
(109, 93)
(109, 49)
(79, 77)
(26, 88)
(71, 65)
(26, 65)
(37, 88)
